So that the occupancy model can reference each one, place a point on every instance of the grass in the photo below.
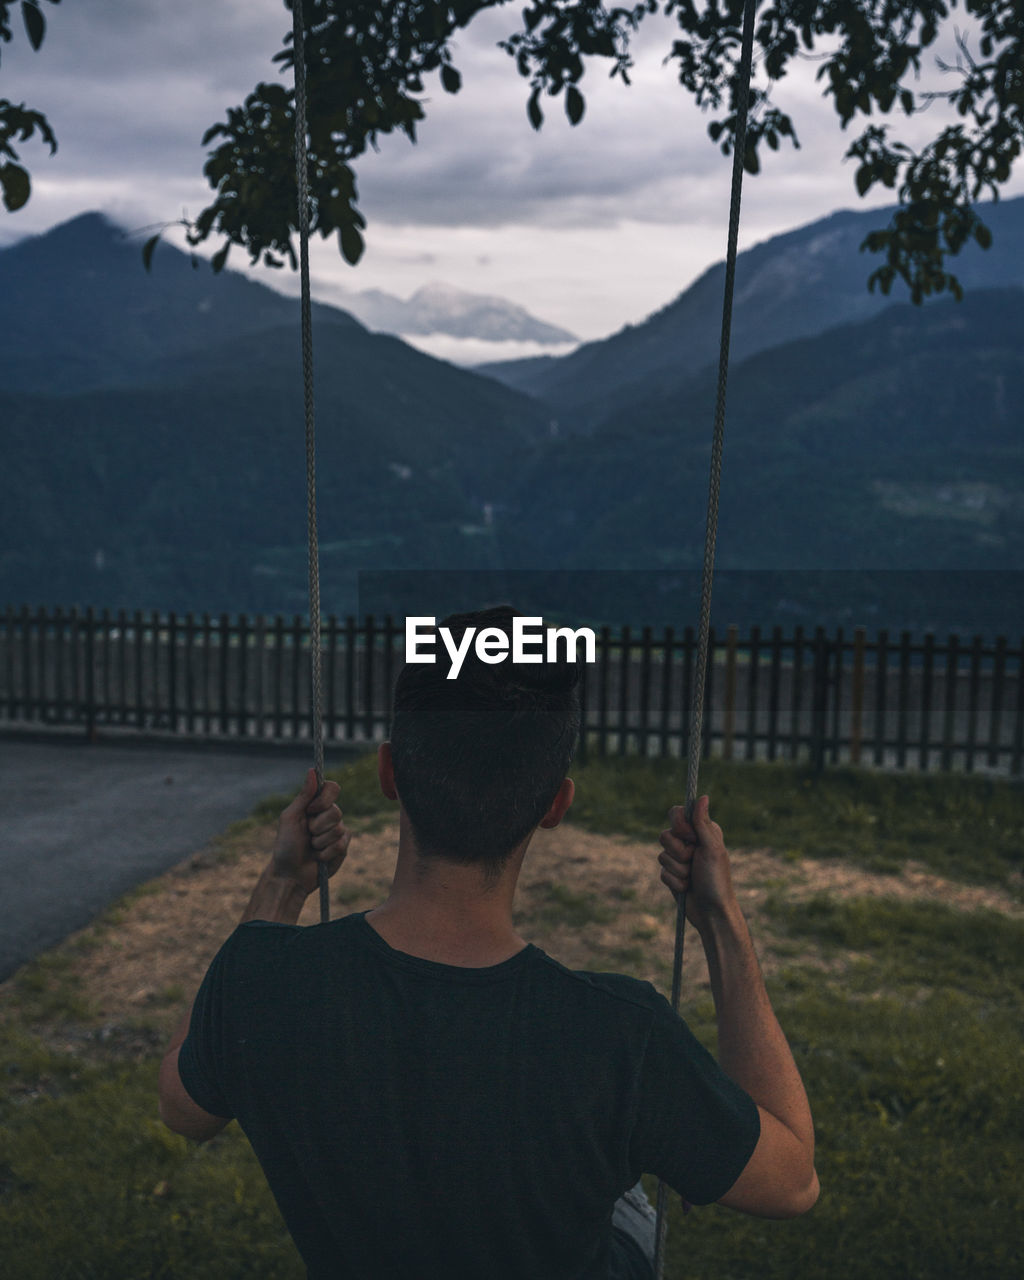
(911, 1050)
(969, 828)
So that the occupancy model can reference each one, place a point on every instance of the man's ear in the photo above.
(560, 804)
(386, 771)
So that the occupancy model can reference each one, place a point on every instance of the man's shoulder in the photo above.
(613, 987)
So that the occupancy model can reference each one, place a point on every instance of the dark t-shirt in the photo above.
(417, 1119)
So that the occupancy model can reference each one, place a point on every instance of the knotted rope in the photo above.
(302, 178)
(696, 730)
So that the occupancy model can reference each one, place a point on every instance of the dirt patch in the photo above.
(591, 901)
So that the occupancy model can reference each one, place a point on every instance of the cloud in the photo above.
(588, 227)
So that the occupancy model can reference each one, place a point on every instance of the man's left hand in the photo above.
(310, 831)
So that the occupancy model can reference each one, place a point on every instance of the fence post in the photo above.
(1018, 730)
(996, 717)
(819, 700)
(728, 728)
(857, 696)
(90, 675)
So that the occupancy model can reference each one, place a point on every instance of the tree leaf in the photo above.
(983, 235)
(220, 257)
(16, 187)
(147, 251)
(533, 109)
(574, 104)
(35, 23)
(865, 178)
(450, 79)
(351, 243)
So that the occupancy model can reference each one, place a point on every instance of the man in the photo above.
(431, 1095)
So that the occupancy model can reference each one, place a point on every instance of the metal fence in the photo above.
(824, 698)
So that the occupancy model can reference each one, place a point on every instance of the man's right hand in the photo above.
(695, 861)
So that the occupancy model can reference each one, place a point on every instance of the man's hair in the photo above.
(479, 759)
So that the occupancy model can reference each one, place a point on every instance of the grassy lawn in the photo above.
(905, 1017)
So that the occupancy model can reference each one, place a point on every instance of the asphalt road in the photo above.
(81, 824)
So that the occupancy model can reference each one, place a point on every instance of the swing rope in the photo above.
(696, 729)
(302, 179)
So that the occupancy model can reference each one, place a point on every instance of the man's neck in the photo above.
(448, 912)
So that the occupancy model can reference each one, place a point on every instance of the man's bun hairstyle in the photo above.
(479, 759)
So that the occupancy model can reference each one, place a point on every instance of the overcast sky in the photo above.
(590, 227)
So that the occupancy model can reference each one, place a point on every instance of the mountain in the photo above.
(893, 446)
(152, 435)
(78, 311)
(440, 308)
(795, 285)
(153, 456)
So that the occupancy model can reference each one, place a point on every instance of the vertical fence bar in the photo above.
(332, 677)
(12, 700)
(190, 678)
(927, 680)
(996, 716)
(838, 666)
(260, 698)
(90, 674)
(138, 639)
(223, 673)
(688, 659)
(774, 682)
(819, 700)
(709, 706)
(370, 654)
(243, 675)
(881, 682)
(58, 665)
(1018, 730)
(625, 659)
(26, 663)
(105, 701)
(645, 687)
(952, 677)
(122, 667)
(974, 698)
(279, 676)
(903, 701)
(729, 698)
(796, 694)
(172, 671)
(857, 695)
(753, 670)
(389, 674)
(667, 661)
(350, 677)
(602, 692)
(75, 638)
(297, 646)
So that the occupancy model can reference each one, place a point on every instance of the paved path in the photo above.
(80, 824)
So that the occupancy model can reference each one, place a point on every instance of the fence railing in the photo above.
(891, 701)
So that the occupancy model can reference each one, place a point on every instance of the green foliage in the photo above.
(367, 63)
(919, 943)
(360, 798)
(19, 122)
(964, 827)
(912, 1060)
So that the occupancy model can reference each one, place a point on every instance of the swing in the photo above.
(711, 531)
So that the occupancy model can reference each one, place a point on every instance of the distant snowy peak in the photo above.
(443, 309)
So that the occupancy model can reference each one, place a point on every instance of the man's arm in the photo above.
(779, 1180)
(310, 831)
